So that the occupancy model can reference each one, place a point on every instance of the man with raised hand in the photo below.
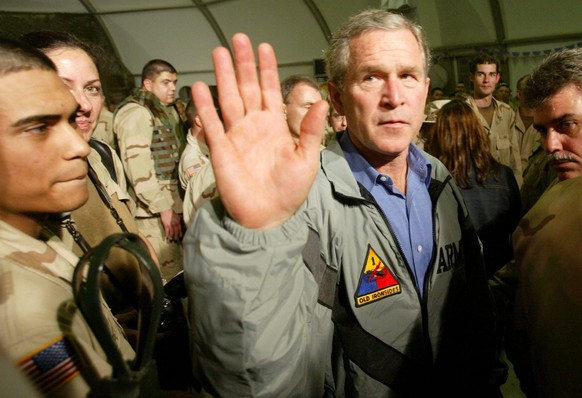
(356, 272)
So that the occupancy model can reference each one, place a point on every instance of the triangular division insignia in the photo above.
(376, 280)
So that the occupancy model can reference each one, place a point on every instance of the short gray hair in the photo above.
(338, 54)
(556, 72)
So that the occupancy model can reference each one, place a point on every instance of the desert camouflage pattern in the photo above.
(150, 139)
(104, 129)
(39, 314)
(196, 177)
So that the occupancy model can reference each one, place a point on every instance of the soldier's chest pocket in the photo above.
(503, 143)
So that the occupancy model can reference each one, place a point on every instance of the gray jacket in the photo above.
(261, 314)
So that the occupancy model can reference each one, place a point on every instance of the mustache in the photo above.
(562, 157)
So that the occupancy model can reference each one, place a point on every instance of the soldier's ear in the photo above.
(147, 84)
(335, 97)
(197, 121)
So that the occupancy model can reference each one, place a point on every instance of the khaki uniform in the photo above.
(150, 137)
(196, 177)
(537, 176)
(42, 329)
(549, 299)
(104, 129)
(503, 138)
(527, 139)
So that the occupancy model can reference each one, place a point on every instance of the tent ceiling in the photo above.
(185, 31)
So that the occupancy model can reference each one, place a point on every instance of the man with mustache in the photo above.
(547, 240)
(150, 130)
(354, 271)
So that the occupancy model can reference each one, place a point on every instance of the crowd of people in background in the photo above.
(365, 236)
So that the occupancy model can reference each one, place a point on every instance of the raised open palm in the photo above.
(262, 176)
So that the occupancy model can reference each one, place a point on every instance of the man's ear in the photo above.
(147, 84)
(427, 82)
(335, 98)
(285, 110)
(197, 121)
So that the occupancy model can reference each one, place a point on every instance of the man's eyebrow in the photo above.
(36, 119)
(556, 120)
(47, 118)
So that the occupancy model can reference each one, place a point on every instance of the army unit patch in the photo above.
(376, 280)
(51, 366)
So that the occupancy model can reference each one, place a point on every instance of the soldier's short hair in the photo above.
(154, 68)
(552, 75)
(16, 56)
(290, 82)
(483, 59)
(338, 54)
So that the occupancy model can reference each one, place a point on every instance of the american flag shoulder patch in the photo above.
(193, 169)
(52, 365)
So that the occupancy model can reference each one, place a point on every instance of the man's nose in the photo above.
(552, 141)
(392, 94)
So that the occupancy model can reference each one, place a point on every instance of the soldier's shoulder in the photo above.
(505, 108)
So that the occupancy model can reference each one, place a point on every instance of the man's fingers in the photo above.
(269, 78)
(213, 128)
(229, 98)
(246, 71)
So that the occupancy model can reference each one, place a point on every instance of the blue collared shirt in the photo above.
(410, 215)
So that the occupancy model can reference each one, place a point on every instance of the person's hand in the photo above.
(262, 176)
(172, 223)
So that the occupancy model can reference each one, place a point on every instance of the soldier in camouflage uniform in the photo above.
(149, 126)
(43, 331)
(109, 208)
(196, 174)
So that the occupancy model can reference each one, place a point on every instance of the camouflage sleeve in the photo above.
(133, 127)
(196, 177)
(201, 188)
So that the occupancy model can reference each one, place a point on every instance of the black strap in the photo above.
(78, 237)
(106, 156)
(105, 199)
(377, 359)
